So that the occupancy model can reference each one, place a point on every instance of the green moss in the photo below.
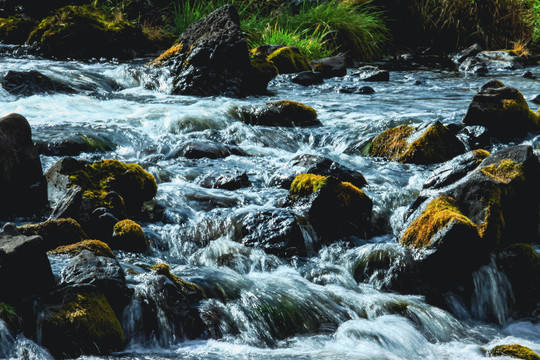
(130, 181)
(439, 213)
(392, 143)
(98, 247)
(514, 351)
(15, 29)
(288, 60)
(9, 315)
(307, 184)
(129, 236)
(504, 171)
(55, 232)
(164, 269)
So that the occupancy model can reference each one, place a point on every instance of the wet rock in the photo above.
(105, 273)
(198, 149)
(528, 75)
(428, 144)
(536, 99)
(334, 208)
(262, 71)
(85, 32)
(24, 267)
(28, 83)
(55, 233)
(129, 236)
(471, 51)
(74, 145)
(78, 320)
(288, 60)
(97, 247)
(211, 58)
(228, 181)
(284, 113)
(475, 137)
(373, 74)
(266, 49)
(502, 110)
(23, 189)
(514, 351)
(277, 232)
(307, 78)
(474, 65)
(364, 90)
(15, 29)
(335, 66)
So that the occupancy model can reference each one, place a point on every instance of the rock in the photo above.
(536, 99)
(78, 320)
(85, 32)
(284, 113)
(24, 267)
(190, 290)
(228, 181)
(266, 49)
(288, 60)
(211, 58)
(471, 51)
(474, 65)
(514, 351)
(373, 74)
(277, 232)
(55, 233)
(129, 236)
(433, 144)
(334, 208)
(335, 66)
(364, 90)
(23, 189)
(502, 110)
(97, 247)
(74, 145)
(198, 149)
(260, 74)
(28, 83)
(15, 29)
(528, 75)
(103, 272)
(475, 137)
(307, 78)
(130, 181)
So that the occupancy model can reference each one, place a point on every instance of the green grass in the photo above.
(536, 22)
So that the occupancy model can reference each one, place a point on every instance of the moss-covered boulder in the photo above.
(129, 236)
(334, 208)
(515, 351)
(195, 291)
(86, 32)
(503, 111)
(289, 59)
(80, 321)
(420, 145)
(98, 247)
(262, 71)
(284, 113)
(55, 233)
(15, 29)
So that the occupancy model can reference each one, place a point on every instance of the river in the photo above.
(334, 317)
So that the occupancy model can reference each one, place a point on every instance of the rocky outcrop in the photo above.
(417, 145)
(211, 58)
(502, 110)
(23, 189)
(28, 83)
(284, 113)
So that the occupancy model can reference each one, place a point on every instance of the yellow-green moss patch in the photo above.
(514, 351)
(307, 184)
(288, 60)
(185, 286)
(439, 214)
(128, 235)
(15, 29)
(480, 154)
(391, 143)
(504, 171)
(98, 247)
(173, 51)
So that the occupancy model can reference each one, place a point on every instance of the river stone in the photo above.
(285, 113)
(198, 149)
(306, 78)
(335, 66)
(28, 83)
(104, 273)
(471, 51)
(226, 181)
(23, 189)
(24, 267)
(536, 99)
(373, 74)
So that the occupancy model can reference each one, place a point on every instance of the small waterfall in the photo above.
(19, 348)
(6, 340)
(492, 295)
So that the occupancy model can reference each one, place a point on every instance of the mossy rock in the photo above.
(15, 29)
(408, 144)
(289, 59)
(186, 287)
(262, 71)
(84, 324)
(503, 111)
(99, 248)
(167, 55)
(85, 32)
(129, 236)
(514, 351)
(335, 208)
(130, 181)
(55, 233)
(285, 113)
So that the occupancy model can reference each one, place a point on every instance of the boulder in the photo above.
(74, 144)
(502, 110)
(307, 78)
(227, 181)
(334, 208)
(515, 351)
(24, 267)
(129, 236)
(421, 145)
(85, 32)
(277, 232)
(15, 29)
(78, 320)
(335, 66)
(55, 233)
(284, 113)
(23, 189)
(28, 83)
(288, 60)
(97, 247)
(261, 73)
(373, 74)
(364, 90)
(198, 149)
(211, 58)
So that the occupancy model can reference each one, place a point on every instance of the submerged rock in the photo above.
(421, 145)
(198, 149)
(74, 144)
(502, 110)
(28, 83)
(284, 113)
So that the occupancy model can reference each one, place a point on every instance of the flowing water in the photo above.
(278, 309)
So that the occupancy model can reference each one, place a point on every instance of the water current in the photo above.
(315, 307)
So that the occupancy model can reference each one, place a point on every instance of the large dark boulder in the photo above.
(23, 189)
(284, 113)
(335, 66)
(211, 58)
(28, 83)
